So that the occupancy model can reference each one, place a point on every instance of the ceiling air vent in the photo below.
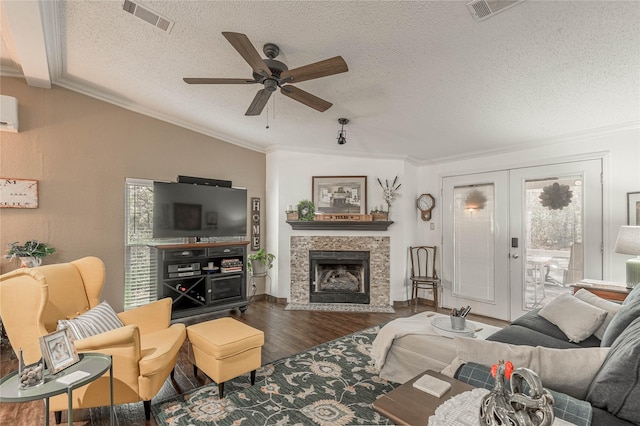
(483, 9)
(148, 15)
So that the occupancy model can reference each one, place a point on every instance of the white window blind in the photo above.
(140, 262)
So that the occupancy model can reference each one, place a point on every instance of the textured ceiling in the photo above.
(425, 81)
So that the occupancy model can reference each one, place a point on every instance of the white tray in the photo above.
(444, 324)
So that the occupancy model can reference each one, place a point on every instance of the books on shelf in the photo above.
(231, 265)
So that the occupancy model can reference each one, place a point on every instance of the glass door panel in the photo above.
(474, 242)
(553, 238)
(556, 218)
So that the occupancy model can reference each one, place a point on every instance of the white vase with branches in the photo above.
(389, 191)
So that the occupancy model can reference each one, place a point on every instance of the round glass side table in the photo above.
(95, 364)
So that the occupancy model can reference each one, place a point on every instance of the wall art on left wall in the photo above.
(18, 193)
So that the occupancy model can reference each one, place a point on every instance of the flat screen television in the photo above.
(186, 210)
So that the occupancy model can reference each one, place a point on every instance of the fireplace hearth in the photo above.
(339, 276)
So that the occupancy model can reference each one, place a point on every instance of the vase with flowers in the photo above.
(30, 253)
(389, 192)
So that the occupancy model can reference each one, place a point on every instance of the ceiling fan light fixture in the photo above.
(271, 85)
(342, 134)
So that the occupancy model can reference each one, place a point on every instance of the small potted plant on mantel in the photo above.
(30, 253)
(260, 262)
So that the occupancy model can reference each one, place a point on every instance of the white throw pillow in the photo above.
(565, 370)
(612, 308)
(577, 319)
(96, 320)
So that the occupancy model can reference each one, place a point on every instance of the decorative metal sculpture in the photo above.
(527, 404)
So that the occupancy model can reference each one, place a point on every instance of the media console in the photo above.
(202, 277)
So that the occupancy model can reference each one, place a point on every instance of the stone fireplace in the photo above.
(340, 270)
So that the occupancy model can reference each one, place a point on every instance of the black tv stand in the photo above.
(203, 277)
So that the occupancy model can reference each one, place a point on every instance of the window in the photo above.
(140, 263)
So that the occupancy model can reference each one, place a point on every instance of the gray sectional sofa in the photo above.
(613, 396)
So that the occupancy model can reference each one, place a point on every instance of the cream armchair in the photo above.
(144, 351)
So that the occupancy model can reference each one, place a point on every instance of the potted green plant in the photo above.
(306, 210)
(260, 262)
(30, 253)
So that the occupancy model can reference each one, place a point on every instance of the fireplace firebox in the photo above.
(339, 277)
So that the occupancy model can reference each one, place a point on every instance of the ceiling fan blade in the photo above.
(218, 81)
(259, 102)
(244, 47)
(306, 98)
(324, 68)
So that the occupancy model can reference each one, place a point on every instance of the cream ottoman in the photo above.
(225, 349)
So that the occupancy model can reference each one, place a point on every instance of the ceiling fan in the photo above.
(273, 74)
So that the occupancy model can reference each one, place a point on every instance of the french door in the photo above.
(515, 239)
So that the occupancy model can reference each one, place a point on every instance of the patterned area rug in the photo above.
(338, 307)
(331, 384)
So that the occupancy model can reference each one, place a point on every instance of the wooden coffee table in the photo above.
(406, 405)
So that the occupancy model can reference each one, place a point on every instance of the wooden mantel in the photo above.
(318, 225)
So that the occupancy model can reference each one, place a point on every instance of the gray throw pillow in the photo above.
(633, 296)
(611, 308)
(616, 387)
(620, 321)
(100, 319)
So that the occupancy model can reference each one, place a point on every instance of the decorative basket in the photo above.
(380, 216)
(292, 215)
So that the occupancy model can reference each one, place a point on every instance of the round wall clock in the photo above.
(425, 204)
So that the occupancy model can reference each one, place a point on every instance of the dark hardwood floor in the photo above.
(286, 333)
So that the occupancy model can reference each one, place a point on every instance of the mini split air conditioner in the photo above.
(8, 114)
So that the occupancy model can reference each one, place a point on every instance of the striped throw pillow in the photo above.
(95, 321)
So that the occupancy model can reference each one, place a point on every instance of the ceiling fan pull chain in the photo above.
(267, 117)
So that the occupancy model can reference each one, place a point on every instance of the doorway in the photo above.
(513, 240)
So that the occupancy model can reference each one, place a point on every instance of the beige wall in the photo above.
(81, 150)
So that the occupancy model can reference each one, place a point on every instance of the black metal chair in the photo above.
(423, 272)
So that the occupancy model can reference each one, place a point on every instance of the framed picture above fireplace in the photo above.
(340, 194)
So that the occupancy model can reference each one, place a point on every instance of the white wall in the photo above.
(620, 152)
(289, 180)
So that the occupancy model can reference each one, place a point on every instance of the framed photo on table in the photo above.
(58, 350)
(633, 208)
(340, 194)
